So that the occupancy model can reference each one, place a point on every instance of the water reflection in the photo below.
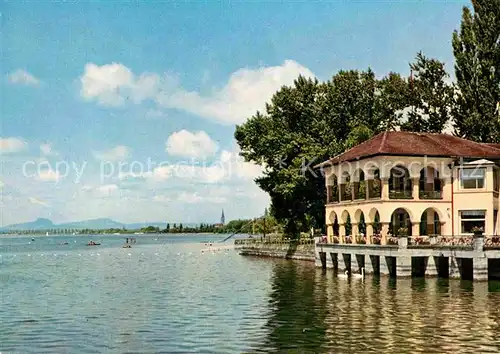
(297, 303)
(314, 311)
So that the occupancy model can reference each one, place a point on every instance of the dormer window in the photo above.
(472, 178)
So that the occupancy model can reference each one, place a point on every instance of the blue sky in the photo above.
(92, 85)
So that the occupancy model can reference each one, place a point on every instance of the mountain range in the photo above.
(95, 224)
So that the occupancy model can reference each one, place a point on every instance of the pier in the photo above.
(474, 257)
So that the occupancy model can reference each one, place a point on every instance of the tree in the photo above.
(392, 98)
(303, 125)
(428, 96)
(476, 48)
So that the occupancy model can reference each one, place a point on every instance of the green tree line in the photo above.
(311, 121)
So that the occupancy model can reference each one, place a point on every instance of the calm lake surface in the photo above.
(165, 295)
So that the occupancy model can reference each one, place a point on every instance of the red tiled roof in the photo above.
(399, 143)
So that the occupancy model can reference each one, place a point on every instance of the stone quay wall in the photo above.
(299, 250)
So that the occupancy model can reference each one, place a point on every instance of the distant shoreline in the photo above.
(128, 234)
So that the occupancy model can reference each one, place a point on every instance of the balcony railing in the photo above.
(347, 196)
(430, 195)
(400, 195)
(333, 199)
(375, 193)
(361, 194)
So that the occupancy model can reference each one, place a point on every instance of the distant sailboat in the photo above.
(47, 233)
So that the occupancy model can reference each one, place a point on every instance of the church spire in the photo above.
(222, 218)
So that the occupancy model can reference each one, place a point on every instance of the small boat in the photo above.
(92, 243)
(126, 246)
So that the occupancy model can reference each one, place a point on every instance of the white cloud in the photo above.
(114, 84)
(228, 167)
(246, 91)
(187, 144)
(22, 77)
(118, 153)
(12, 145)
(103, 83)
(48, 175)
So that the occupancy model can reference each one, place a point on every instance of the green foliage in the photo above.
(310, 122)
(150, 229)
(429, 96)
(303, 125)
(476, 47)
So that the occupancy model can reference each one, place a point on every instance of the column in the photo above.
(355, 232)
(384, 186)
(384, 233)
(335, 261)
(369, 233)
(415, 228)
(341, 233)
(431, 267)
(329, 262)
(329, 232)
(317, 256)
(354, 264)
(384, 269)
(454, 267)
(479, 243)
(346, 262)
(368, 265)
(368, 186)
(415, 187)
(403, 266)
(403, 242)
(480, 268)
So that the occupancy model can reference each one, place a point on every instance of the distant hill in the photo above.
(102, 223)
(38, 224)
(95, 224)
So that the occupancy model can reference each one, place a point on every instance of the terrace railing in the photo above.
(430, 195)
(266, 241)
(492, 242)
(400, 194)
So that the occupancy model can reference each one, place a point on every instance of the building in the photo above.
(415, 184)
(413, 204)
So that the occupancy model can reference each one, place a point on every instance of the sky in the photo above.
(127, 110)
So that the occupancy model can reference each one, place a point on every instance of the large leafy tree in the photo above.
(303, 125)
(476, 47)
(428, 96)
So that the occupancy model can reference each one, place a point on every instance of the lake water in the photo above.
(165, 295)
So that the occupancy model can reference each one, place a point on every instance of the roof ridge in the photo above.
(380, 148)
